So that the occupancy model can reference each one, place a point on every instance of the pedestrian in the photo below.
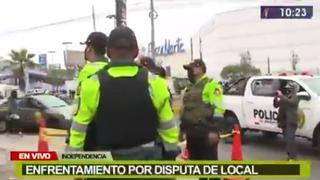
(202, 109)
(14, 118)
(288, 116)
(122, 110)
(95, 55)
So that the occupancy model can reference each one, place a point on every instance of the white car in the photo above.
(250, 102)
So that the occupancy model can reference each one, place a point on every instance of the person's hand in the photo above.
(213, 138)
(279, 93)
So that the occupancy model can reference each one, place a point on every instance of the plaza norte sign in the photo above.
(170, 47)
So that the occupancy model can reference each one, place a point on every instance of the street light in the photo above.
(153, 14)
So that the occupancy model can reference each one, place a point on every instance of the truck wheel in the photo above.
(317, 139)
(3, 126)
(268, 134)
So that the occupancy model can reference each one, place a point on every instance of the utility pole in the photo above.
(121, 12)
(153, 15)
(94, 19)
(191, 48)
(268, 61)
(294, 60)
(200, 47)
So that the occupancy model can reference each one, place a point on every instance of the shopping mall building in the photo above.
(230, 33)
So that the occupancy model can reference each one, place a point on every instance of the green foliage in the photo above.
(239, 70)
(245, 68)
(20, 59)
(58, 76)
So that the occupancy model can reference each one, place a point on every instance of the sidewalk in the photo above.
(28, 142)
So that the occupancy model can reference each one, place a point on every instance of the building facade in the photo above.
(222, 40)
(172, 55)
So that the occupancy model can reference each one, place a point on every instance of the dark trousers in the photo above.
(289, 137)
(199, 147)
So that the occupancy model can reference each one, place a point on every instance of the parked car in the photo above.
(56, 112)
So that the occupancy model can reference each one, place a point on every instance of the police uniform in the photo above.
(89, 69)
(202, 93)
(95, 39)
(124, 110)
(201, 113)
(288, 117)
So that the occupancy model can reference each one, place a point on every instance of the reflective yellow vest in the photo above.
(213, 94)
(89, 98)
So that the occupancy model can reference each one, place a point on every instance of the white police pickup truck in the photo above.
(250, 102)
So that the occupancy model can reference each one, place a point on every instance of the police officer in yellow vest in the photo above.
(95, 56)
(94, 53)
(202, 110)
(122, 110)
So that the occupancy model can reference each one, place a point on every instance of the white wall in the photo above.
(176, 62)
(241, 30)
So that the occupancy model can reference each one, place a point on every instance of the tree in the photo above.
(245, 68)
(20, 59)
(57, 77)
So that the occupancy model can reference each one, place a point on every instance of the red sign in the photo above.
(33, 156)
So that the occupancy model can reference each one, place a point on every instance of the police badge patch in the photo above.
(217, 92)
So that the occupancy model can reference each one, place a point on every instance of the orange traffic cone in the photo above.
(236, 146)
(236, 154)
(42, 141)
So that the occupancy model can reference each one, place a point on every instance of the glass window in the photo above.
(237, 88)
(313, 84)
(264, 87)
(24, 103)
(50, 101)
(283, 84)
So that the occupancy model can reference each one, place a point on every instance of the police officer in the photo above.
(288, 116)
(95, 56)
(122, 110)
(202, 109)
(159, 73)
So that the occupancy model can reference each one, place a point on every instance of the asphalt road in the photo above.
(257, 147)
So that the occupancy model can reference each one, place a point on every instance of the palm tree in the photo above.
(19, 61)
